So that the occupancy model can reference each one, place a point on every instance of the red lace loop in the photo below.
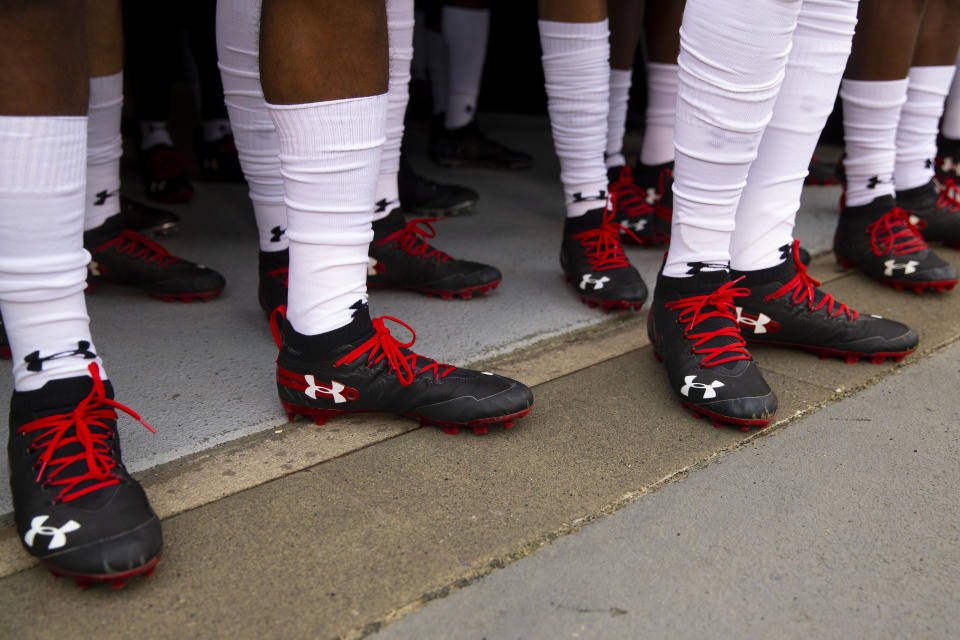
(283, 273)
(139, 246)
(718, 304)
(949, 197)
(894, 233)
(603, 244)
(383, 345)
(87, 426)
(802, 287)
(411, 238)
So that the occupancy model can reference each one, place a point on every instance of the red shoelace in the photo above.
(802, 287)
(412, 239)
(949, 197)
(628, 195)
(380, 345)
(894, 233)
(85, 425)
(603, 244)
(283, 273)
(138, 246)
(718, 304)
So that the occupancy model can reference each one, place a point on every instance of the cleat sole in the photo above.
(745, 424)
(187, 298)
(115, 580)
(479, 426)
(465, 293)
(850, 357)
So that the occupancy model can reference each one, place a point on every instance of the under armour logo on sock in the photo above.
(35, 362)
(381, 205)
(579, 197)
(102, 197)
(709, 390)
(700, 267)
(875, 180)
(928, 163)
(277, 233)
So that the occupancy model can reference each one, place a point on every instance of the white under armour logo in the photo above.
(373, 266)
(708, 389)
(948, 165)
(335, 390)
(652, 195)
(58, 535)
(596, 282)
(759, 323)
(635, 225)
(891, 265)
(94, 268)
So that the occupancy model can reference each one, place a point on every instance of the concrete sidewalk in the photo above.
(844, 525)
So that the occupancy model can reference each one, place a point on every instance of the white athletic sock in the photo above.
(950, 125)
(43, 266)
(154, 132)
(620, 80)
(330, 155)
(104, 148)
(731, 65)
(400, 47)
(871, 111)
(465, 31)
(769, 204)
(576, 66)
(927, 88)
(258, 147)
(438, 65)
(662, 84)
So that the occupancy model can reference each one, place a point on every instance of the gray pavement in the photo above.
(845, 524)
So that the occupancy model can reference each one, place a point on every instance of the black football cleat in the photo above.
(593, 261)
(879, 239)
(121, 256)
(423, 197)
(934, 208)
(786, 307)
(219, 161)
(274, 268)
(401, 258)
(656, 181)
(947, 163)
(361, 368)
(468, 146)
(693, 330)
(164, 175)
(633, 213)
(77, 509)
(148, 220)
(821, 173)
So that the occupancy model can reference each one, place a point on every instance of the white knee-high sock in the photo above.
(104, 148)
(400, 47)
(950, 126)
(927, 89)
(43, 266)
(576, 67)
(258, 147)
(661, 113)
(732, 60)
(620, 80)
(771, 199)
(330, 157)
(465, 31)
(871, 111)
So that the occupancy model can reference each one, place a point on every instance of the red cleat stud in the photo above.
(508, 424)
(480, 429)
(877, 360)
(451, 430)
(851, 359)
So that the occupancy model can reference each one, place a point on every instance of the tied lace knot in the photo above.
(894, 232)
(86, 426)
(803, 285)
(383, 345)
(412, 238)
(603, 244)
(719, 304)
